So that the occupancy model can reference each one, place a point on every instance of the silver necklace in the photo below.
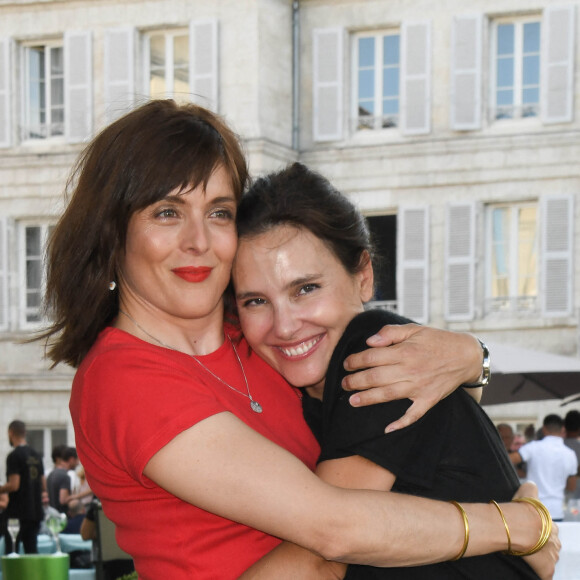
(254, 405)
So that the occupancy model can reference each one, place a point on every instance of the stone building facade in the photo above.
(453, 125)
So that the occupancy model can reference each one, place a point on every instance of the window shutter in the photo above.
(460, 261)
(415, 78)
(558, 64)
(203, 63)
(466, 45)
(78, 89)
(5, 116)
(327, 83)
(119, 69)
(413, 263)
(4, 311)
(557, 219)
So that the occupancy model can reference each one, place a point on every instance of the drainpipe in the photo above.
(295, 74)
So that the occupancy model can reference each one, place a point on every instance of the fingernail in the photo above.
(389, 429)
(354, 400)
(373, 339)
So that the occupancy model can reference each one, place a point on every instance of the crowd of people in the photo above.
(28, 495)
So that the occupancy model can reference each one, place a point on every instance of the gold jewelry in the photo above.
(507, 530)
(466, 525)
(254, 405)
(546, 525)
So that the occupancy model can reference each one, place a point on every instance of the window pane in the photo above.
(531, 70)
(500, 252)
(33, 237)
(391, 107)
(157, 85)
(391, 82)
(505, 98)
(505, 39)
(366, 108)
(531, 37)
(527, 258)
(33, 274)
(530, 96)
(35, 438)
(366, 52)
(366, 84)
(505, 72)
(56, 62)
(181, 64)
(36, 86)
(391, 50)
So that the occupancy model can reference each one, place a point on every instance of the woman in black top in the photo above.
(302, 274)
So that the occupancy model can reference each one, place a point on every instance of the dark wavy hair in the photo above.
(157, 148)
(303, 198)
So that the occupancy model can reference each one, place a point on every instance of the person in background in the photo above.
(550, 465)
(75, 515)
(72, 459)
(3, 506)
(507, 436)
(58, 481)
(26, 487)
(572, 440)
(85, 494)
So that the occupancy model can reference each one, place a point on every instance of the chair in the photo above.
(108, 553)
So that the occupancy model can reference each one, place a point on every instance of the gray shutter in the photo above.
(4, 309)
(78, 89)
(558, 64)
(460, 261)
(415, 78)
(327, 83)
(413, 263)
(5, 116)
(119, 70)
(466, 46)
(557, 222)
(203, 63)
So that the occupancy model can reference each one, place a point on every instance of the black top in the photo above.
(453, 452)
(26, 503)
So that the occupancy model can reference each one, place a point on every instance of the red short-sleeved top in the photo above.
(129, 399)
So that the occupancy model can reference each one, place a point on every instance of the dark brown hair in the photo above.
(302, 198)
(155, 149)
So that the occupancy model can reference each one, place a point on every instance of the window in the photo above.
(43, 439)
(516, 74)
(44, 91)
(384, 236)
(33, 239)
(376, 88)
(513, 261)
(167, 63)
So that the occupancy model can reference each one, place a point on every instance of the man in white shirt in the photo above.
(551, 465)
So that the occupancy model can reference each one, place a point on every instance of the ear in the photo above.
(366, 277)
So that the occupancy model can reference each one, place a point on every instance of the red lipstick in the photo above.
(192, 274)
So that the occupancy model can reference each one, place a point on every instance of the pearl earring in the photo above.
(112, 285)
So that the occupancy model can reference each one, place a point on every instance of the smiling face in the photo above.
(179, 252)
(295, 299)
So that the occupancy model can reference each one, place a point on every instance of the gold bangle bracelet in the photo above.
(507, 530)
(466, 525)
(546, 526)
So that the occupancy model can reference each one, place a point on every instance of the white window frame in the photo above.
(169, 34)
(375, 122)
(26, 120)
(24, 311)
(512, 304)
(518, 57)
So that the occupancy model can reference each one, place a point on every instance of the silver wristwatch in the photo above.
(485, 368)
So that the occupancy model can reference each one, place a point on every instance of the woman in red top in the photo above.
(196, 448)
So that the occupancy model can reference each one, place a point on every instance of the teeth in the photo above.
(300, 349)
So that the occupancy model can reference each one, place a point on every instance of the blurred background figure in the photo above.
(572, 440)
(550, 465)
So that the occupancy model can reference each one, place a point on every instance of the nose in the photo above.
(286, 321)
(196, 237)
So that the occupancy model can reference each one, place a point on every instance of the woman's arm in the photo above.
(414, 362)
(223, 466)
(353, 472)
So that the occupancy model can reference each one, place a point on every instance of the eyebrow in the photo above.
(309, 278)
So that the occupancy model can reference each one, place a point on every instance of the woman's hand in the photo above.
(544, 561)
(414, 362)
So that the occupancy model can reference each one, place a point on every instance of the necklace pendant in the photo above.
(256, 407)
